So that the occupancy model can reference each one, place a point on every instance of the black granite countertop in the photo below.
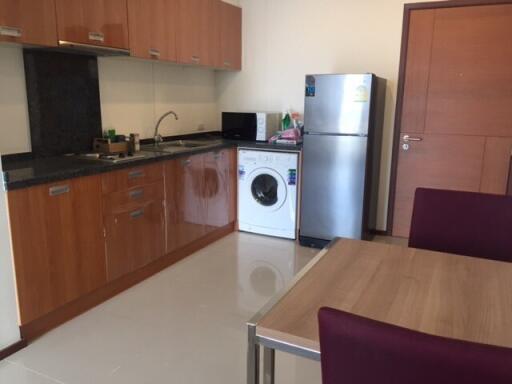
(21, 171)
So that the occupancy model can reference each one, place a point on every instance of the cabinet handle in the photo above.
(136, 194)
(227, 63)
(196, 59)
(10, 31)
(154, 53)
(135, 174)
(59, 190)
(97, 36)
(136, 214)
(186, 162)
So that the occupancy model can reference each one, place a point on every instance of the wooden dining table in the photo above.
(441, 294)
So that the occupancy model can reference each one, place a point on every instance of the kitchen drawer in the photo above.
(131, 177)
(121, 201)
(134, 238)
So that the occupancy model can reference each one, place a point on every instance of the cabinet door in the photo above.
(95, 22)
(152, 25)
(230, 36)
(218, 189)
(28, 21)
(134, 238)
(194, 25)
(186, 205)
(58, 244)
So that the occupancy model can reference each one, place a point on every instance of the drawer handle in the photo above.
(59, 190)
(186, 162)
(135, 174)
(97, 36)
(137, 194)
(227, 63)
(10, 31)
(154, 53)
(196, 59)
(136, 214)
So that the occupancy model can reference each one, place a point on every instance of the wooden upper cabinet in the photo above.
(152, 26)
(58, 244)
(230, 36)
(28, 22)
(195, 19)
(93, 22)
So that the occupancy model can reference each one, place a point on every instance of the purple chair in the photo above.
(356, 350)
(465, 223)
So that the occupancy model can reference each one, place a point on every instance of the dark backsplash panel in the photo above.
(63, 101)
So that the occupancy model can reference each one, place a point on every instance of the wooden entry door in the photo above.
(455, 115)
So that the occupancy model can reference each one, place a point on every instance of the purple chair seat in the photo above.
(356, 350)
(465, 223)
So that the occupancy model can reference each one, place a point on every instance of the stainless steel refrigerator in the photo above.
(343, 118)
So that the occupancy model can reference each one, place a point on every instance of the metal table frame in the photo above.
(271, 345)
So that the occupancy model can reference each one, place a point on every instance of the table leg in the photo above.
(253, 357)
(269, 365)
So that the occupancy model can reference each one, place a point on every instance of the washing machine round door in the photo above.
(267, 188)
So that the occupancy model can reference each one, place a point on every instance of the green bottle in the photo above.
(287, 120)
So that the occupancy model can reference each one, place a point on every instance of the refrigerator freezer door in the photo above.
(333, 186)
(338, 104)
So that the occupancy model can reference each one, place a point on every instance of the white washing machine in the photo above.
(267, 192)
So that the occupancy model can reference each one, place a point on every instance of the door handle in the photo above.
(137, 214)
(97, 36)
(10, 31)
(154, 53)
(135, 174)
(408, 138)
(136, 194)
(59, 190)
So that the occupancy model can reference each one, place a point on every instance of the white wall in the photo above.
(14, 127)
(9, 331)
(135, 93)
(286, 39)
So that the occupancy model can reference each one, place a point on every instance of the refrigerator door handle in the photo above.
(336, 134)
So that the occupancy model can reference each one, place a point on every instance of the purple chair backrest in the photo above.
(357, 350)
(465, 223)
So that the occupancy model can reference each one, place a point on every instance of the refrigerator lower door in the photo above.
(333, 186)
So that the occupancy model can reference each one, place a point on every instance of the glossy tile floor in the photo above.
(183, 325)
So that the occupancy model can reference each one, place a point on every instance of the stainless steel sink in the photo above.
(179, 145)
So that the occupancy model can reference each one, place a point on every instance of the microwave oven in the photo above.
(250, 126)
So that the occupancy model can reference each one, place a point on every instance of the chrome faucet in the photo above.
(158, 137)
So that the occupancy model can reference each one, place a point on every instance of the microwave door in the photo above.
(239, 126)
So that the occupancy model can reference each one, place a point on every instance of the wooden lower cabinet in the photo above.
(200, 196)
(218, 190)
(80, 241)
(134, 238)
(185, 205)
(58, 244)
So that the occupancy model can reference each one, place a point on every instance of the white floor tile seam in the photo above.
(33, 371)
